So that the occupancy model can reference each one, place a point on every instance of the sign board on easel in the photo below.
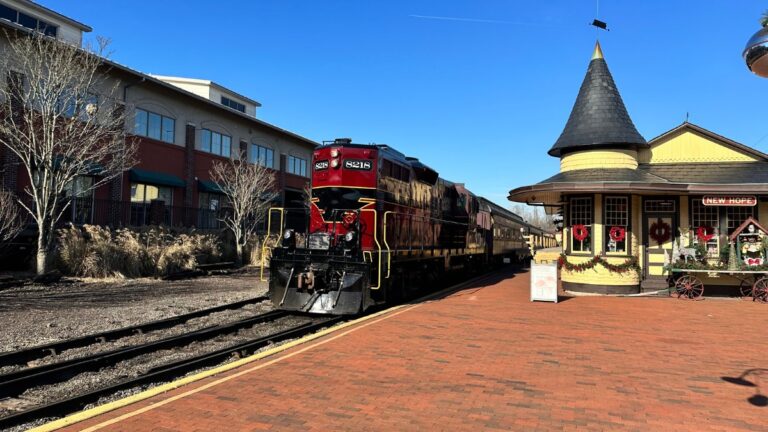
(544, 282)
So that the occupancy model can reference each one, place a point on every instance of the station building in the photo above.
(181, 126)
(624, 200)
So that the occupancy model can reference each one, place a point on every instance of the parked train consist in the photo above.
(380, 223)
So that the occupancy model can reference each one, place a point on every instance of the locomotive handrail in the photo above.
(266, 239)
(378, 246)
(386, 244)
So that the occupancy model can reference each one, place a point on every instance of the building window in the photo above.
(659, 206)
(216, 143)
(709, 218)
(263, 156)
(232, 104)
(581, 214)
(210, 206)
(734, 216)
(297, 166)
(76, 105)
(144, 193)
(142, 196)
(616, 224)
(155, 126)
(30, 22)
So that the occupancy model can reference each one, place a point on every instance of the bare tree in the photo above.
(250, 189)
(10, 217)
(535, 216)
(61, 117)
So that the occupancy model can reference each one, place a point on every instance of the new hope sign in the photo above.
(740, 201)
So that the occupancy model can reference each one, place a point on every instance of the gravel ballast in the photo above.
(38, 314)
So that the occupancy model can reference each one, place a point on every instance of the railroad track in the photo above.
(26, 355)
(165, 372)
(17, 382)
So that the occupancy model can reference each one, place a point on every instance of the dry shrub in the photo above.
(97, 252)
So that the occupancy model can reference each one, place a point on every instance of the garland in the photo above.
(628, 265)
(617, 233)
(580, 232)
(660, 231)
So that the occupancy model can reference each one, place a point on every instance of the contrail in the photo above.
(477, 20)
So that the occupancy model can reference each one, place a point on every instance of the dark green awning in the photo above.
(156, 178)
(208, 186)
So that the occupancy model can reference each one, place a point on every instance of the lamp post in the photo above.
(756, 52)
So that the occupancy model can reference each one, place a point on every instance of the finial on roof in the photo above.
(598, 54)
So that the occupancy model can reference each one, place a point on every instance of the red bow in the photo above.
(754, 261)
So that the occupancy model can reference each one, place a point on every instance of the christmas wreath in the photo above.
(705, 234)
(580, 232)
(617, 233)
(660, 231)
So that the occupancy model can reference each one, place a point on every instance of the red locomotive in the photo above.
(380, 224)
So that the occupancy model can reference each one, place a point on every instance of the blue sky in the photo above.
(479, 90)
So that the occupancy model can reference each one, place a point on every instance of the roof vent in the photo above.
(342, 141)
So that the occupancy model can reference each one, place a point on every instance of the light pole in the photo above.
(756, 52)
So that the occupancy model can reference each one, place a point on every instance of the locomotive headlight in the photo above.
(289, 239)
(349, 236)
(334, 163)
(334, 152)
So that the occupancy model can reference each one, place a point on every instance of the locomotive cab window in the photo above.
(616, 224)
(581, 224)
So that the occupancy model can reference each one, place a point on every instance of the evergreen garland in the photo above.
(628, 265)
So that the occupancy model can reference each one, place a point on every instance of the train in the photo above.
(379, 225)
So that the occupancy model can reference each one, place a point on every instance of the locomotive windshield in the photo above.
(339, 198)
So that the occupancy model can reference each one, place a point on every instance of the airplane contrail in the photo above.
(477, 20)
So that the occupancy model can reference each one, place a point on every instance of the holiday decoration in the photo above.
(631, 264)
(659, 232)
(705, 234)
(749, 238)
(617, 233)
(580, 232)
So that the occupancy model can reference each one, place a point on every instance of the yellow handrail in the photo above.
(266, 239)
(378, 246)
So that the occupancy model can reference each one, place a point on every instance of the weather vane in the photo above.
(596, 22)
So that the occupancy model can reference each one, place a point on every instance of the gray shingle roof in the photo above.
(599, 117)
(721, 173)
(604, 175)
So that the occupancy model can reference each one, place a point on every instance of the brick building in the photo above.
(181, 126)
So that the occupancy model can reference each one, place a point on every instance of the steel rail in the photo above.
(37, 352)
(162, 373)
(15, 383)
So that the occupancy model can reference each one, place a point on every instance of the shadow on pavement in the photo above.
(755, 375)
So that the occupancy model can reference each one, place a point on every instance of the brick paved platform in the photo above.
(486, 358)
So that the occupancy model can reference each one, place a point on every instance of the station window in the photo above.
(709, 218)
(736, 215)
(216, 143)
(581, 214)
(616, 224)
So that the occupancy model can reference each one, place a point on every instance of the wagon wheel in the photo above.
(689, 287)
(745, 288)
(760, 290)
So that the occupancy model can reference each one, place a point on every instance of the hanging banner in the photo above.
(726, 200)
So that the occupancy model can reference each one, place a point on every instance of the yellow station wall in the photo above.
(599, 159)
(689, 146)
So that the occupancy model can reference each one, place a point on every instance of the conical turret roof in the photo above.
(599, 118)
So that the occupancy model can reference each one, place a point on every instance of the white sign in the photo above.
(544, 282)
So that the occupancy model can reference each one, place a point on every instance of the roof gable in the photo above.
(689, 143)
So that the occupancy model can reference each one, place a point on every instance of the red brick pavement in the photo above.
(487, 358)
